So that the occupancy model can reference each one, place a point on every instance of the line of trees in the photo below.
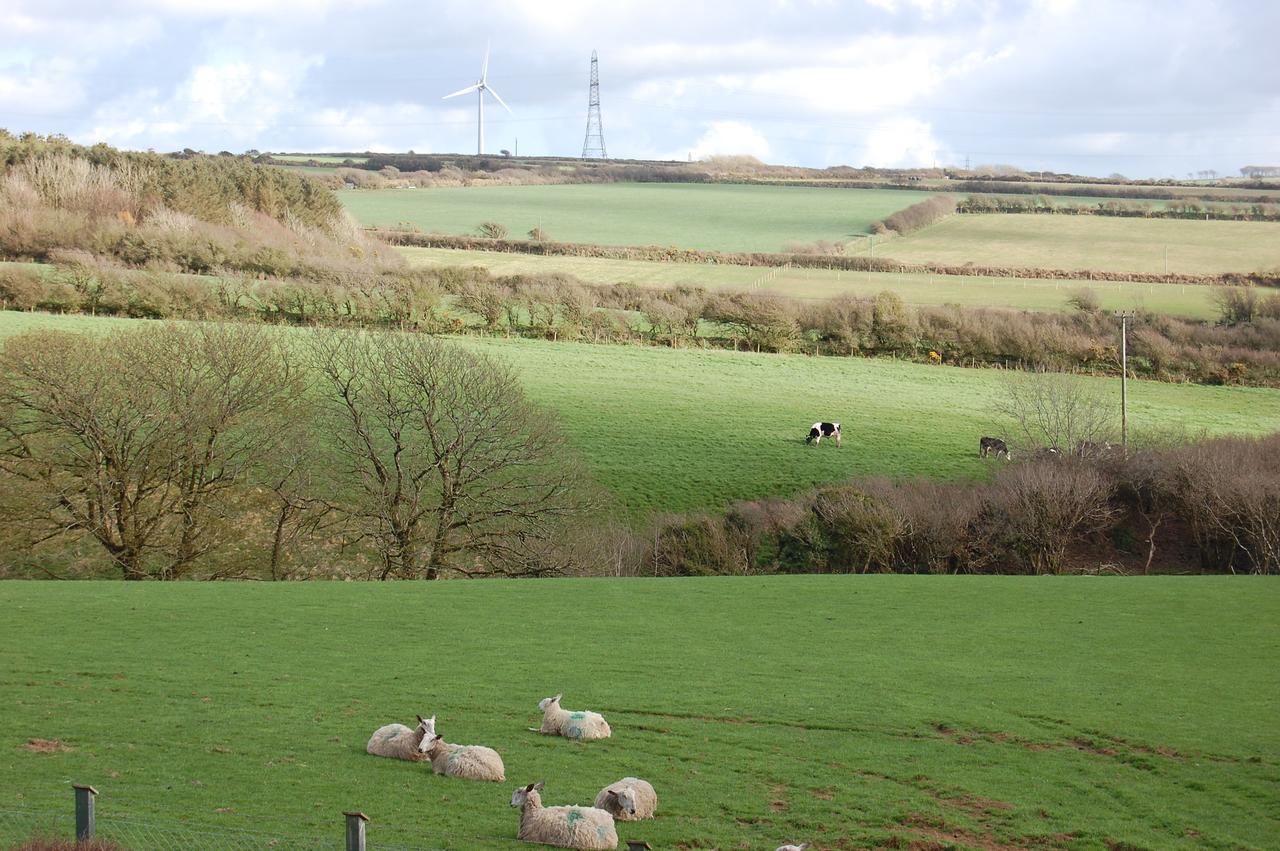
(1243, 348)
(1186, 208)
(917, 216)
(802, 259)
(205, 450)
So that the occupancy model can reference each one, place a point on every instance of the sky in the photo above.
(1143, 88)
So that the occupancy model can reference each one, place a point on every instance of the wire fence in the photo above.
(58, 830)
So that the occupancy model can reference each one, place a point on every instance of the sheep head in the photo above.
(625, 800)
(549, 702)
(521, 795)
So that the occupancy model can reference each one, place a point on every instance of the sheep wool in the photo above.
(582, 726)
(400, 742)
(397, 742)
(803, 846)
(470, 762)
(564, 827)
(630, 799)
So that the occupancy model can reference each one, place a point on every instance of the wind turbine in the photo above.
(480, 88)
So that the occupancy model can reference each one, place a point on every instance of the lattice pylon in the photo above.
(593, 144)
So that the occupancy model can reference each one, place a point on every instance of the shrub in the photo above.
(1085, 300)
(1237, 304)
(1034, 512)
(918, 216)
(492, 230)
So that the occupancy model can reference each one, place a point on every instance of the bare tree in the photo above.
(445, 466)
(1059, 412)
(1036, 511)
(140, 438)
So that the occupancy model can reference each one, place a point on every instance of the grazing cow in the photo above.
(820, 430)
(988, 445)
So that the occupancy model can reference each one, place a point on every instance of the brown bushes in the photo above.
(859, 263)
(919, 215)
(1219, 500)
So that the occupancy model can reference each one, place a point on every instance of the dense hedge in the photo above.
(201, 186)
(1207, 507)
(859, 263)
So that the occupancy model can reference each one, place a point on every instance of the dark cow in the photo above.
(820, 430)
(988, 445)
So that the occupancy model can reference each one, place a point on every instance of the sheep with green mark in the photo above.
(582, 726)
(630, 799)
(470, 762)
(564, 827)
(396, 741)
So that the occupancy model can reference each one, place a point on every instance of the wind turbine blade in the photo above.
(484, 72)
(461, 91)
(490, 90)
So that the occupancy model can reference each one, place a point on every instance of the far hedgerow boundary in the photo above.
(849, 263)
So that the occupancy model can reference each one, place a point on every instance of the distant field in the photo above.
(1087, 242)
(320, 158)
(670, 429)
(1047, 295)
(850, 711)
(713, 216)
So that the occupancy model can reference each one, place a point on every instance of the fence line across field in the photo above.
(20, 825)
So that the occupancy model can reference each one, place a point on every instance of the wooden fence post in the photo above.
(85, 821)
(355, 831)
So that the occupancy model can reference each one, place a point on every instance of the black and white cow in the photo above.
(820, 430)
(988, 445)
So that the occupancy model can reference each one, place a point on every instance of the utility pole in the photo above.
(593, 142)
(1125, 316)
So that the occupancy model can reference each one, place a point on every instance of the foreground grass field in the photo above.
(714, 216)
(1093, 242)
(670, 429)
(853, 712)
(1194, 302)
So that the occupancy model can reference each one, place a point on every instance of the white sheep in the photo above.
(566, 827)
(803, 846)
(470, 762)
(583, 726)
(630, 799)
(400, 742)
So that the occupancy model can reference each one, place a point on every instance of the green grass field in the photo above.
(1190, 301)
(1089, 242)
(712, 216)
(853, 712)
(670, 429)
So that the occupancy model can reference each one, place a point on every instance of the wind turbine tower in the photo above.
(480, 88)
(593, 144)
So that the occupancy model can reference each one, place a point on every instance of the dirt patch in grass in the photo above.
(47, 746)
(778, 799)
(926, 832)
(1092, 742)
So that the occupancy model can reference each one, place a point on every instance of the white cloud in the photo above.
(728, 138)
(900, 143)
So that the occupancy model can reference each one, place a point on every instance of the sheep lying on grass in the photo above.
(583, 726)
(803, 846)
(399, 742)
(470, 762)
(566, 827)
(630, 799)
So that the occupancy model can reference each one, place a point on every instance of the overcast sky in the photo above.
(1140, 87)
